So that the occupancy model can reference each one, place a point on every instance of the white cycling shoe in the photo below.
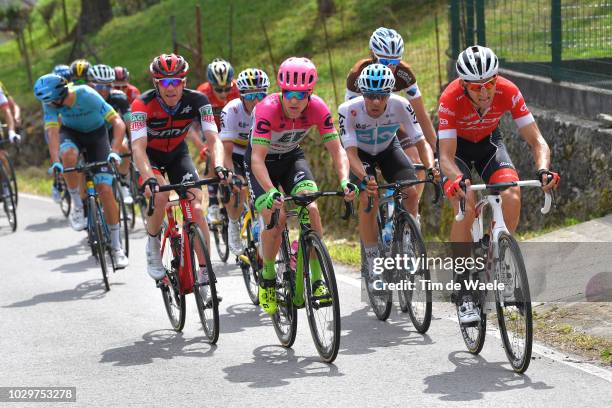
(468, 312)
(155, 268)
(77, 219)
(121, 261)
(235, 240)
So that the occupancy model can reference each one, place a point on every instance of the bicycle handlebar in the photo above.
(407, 183)
(548, 196)
(304, 199)
(180, 188)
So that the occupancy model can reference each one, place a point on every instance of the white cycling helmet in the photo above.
(476, 63)
(252, 79)
(376, 78)
(102, 74)
(386, 42)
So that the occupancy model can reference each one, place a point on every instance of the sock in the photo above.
(269, 272)
(115, 235)
(371, 252)
(75, 195)
(315, 269)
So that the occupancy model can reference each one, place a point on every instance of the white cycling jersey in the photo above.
(236, 125)
(3, 99)
(373, 135)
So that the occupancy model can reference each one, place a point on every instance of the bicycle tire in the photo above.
(13, 178)
(123, 217)
(98, 239)
(208, 309)
(8, 202)
(65, 199)
(328, 353)
(382, 302)
(250, 270)
(220, 234)
(521, 302)
(285, 318)
(474, 335)
(174, 300)
(421, 319)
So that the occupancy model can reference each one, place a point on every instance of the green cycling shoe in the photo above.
(320, 291)
(267, 296)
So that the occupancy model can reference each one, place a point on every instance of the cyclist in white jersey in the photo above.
(368, 128)
(236, 119)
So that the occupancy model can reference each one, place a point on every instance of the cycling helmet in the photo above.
(122, 74)
(297, 74)
(220, 72)
(50, 87)
(102, 74)
(386, 42)
(63, 70)
(169, 66)
(252, 79)
(80, 69)
(476, 63)
(376, 78)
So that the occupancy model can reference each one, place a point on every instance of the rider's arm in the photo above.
(215, 146)
(258, 165)
(448, 148)
(339, 158)
(424, 121)
(412, 128)
(331, 139)
(6, 108)
(355, 162)
(227, 134)
(260, 143)
(194, 135)
(139, 151)
(51, 120)
(118, 131)
(138, 133)
(16, 111)
(541, 152)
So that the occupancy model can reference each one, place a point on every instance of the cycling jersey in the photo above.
(88, 112)
(119, 101)
(3, 99)
(217, 104)
(373, 135)
(459, 117)
(166, 128)
(236, 125)
(130, 91)
(405, 80)
(272, 128)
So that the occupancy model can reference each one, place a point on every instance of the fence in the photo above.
(563, 40)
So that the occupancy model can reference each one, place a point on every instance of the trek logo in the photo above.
(444, 109)
(515, 99)
(186, 109)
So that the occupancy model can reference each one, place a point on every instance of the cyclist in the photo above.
(236, 119)
(161, 118)
(101, 79)
(13, 136)
(274, 158)
(122, 78)
(368, 127)
(470, 109)
(79, 70)
(14, 108)
(83, 114)
(220, 89)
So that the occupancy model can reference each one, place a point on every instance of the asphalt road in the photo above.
(58, 327)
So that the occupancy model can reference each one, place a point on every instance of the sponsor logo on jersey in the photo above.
(206, 113)
(361, 125)
(187, 177)
(263, 126)
(138, 120)
(515, 99)
(524, 108)
(328, 122)
(186, 109)
(444, 109)
(443, 122)
(298, 176)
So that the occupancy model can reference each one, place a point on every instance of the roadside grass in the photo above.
(34, 180)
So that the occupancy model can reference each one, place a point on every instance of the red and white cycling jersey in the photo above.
(272, 128)
(459, 117)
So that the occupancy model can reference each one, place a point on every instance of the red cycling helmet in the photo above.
(122, 74)
(169, 66)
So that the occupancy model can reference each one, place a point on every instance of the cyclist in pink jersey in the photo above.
(274, 158)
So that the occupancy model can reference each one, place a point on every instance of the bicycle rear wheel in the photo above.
(381, 301)
(221, 235)
(11, 173)
(250, 270)
(416, 301)
(65, 199)
(513, 304)
(323, 311)
(8, 202)
(285, 318)
(97, 237)
(174, 300)
(124, 220)
(205, 292)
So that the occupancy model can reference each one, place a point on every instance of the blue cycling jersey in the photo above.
(88, 113)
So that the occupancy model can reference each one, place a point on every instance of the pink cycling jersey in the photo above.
(272, 128)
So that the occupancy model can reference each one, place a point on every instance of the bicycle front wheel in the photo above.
(250, 266)
(513, 304)
(220, 233)
(97, 238)
(381, 301)
(13, 178)
(285, 318)
(415, 296)
(205, 289)
(322, 308)
(174, 300)
(65, 199)
(8, 199)
(124, 220)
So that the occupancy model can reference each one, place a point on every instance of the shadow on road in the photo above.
(158, 344)
(49, 224)
(91, 289)
(61, 253)
(242, 316)
(474, 377)
(274, 366)
(83, 265)
(362, 333)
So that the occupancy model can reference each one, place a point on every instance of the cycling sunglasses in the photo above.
(102, 87)
(477, 86)
(299, 95)
(389, 61)
(222, 90)
(166, 82)
(376, 96)
(254, 95)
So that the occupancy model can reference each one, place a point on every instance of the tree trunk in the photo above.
(326, 7)
(94, 14)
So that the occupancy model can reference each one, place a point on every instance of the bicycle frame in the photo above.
(90, 189)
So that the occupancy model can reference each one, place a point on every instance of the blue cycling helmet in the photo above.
(376, 78)
(50, 87)
(220, 72)
(63, 71)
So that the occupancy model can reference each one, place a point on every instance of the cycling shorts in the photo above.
(177, 164)
(94, 146)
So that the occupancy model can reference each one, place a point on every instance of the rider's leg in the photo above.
(413, 155)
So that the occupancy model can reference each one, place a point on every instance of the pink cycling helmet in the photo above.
(297, 74)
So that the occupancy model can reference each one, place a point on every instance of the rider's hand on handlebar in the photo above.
(350, 190)
(435, 174)
(150, 185)
(14, 137)
(57, 166)
(550, 179)
(114, 157)
(371, 187)
(224, 174)
(452, 188)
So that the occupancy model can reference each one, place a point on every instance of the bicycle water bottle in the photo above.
(387, 232)
(256, 231)
(390, 204)
(293, 255)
